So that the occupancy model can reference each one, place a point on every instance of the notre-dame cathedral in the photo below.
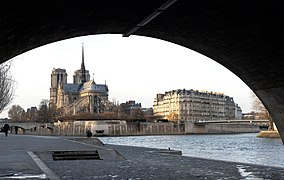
(83, 95)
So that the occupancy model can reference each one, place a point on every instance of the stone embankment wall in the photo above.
(79, 129)
(146, 129)
(214, 128)
(121, 128)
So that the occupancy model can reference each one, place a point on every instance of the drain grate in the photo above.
(75, 155)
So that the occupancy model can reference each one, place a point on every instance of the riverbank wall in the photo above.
(123, 128)
(219, 128)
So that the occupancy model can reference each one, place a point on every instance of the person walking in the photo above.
(89, 134)
(6, 128)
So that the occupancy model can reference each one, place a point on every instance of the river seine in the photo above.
(246, 148)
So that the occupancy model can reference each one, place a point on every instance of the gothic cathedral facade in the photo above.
(83, 95)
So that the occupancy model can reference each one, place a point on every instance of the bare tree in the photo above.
(44, 113)
(6, 85)
(136, 113)
(261, 110)
(17, 113)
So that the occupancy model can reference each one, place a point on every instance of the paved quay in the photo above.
(30, 157)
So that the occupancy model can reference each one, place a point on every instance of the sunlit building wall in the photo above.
(195, 105)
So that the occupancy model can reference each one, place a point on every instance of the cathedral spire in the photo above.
(83, 70)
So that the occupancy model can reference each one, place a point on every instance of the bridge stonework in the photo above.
(245, 36)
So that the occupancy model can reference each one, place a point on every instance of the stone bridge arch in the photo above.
(245, 36)
(23, 127)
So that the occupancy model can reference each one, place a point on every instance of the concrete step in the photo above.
(75, 155)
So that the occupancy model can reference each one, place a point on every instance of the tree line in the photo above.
(45, 113)
(41, 114)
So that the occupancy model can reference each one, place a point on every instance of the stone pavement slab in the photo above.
(15, 153)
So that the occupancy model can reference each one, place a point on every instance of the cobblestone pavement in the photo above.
(124, 163)
(147, 163)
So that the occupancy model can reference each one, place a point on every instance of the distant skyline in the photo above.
(134, 68)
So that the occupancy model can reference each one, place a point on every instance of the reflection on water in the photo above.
(246, 148)
(245, 174)
(22, 176)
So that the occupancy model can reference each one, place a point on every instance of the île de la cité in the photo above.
(83, 106)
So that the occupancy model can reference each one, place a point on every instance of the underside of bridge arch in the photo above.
(245, 36)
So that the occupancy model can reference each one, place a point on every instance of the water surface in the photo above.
(246, 148)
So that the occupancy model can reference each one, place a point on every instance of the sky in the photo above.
(134, 68)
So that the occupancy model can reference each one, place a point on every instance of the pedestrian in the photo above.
(6, 128)
(89, 134)
(16, 129)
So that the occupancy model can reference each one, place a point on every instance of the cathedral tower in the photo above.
(58, 77)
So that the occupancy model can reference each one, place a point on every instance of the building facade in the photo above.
(83, 95)
(130, 105)
(195, 105)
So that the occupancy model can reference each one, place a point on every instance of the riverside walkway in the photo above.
(30, 157)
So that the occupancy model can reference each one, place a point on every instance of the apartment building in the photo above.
(195, 105)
